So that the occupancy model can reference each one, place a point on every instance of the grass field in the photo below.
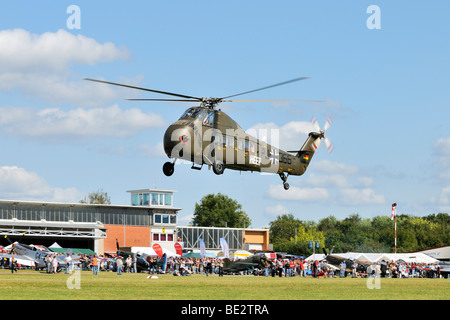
(33, 285)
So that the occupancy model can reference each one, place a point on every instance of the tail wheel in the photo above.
(218, 167)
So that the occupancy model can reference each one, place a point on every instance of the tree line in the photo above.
(356, 234)
(352, 234)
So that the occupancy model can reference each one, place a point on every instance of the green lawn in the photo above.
(32, 285)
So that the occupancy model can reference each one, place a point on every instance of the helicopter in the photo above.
(205, 135)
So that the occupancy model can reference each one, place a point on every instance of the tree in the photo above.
(283, 228)
(220, 211)
(97, 197)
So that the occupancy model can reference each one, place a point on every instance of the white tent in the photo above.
(151, 252)
(416, 257)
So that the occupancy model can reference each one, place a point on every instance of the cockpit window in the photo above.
(194, 113)
(187, 113)
(198, 114)
(209, 119)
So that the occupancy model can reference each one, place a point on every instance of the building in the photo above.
(151, 218)
(237, 238)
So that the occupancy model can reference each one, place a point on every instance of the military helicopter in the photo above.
(205, 134)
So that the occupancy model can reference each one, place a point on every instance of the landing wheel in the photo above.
(284, 178)
(218, 167)
(168, 168)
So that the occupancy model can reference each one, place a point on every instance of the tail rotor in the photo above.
(321, 132)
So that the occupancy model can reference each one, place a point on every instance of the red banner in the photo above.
(178, 249)
(158, 249)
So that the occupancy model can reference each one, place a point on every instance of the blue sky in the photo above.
(387, 91)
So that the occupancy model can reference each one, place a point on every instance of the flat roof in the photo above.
(152, 190)
(68, 204)
(221, 228)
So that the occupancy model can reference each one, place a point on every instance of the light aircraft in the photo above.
(206, 135)
(249, 264)
(143, 260)
(33, 255)
(336, 261)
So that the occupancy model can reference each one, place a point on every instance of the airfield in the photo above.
(34, 285)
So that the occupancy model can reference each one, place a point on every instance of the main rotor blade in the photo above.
(271, 86)
(177, 100)
(145, 89)
(259, 100)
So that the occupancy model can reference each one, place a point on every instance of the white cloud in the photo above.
(320, 180)
(40, 66)
(331, 182)
(151, 151)
(24, 52)
(330, 167)
(442, 159)
(296, 193)
(19, 184)
(55, 123)
(366, 196)
(293, 133)
(278, 210)
(442, 146)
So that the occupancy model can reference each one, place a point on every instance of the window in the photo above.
(146, 199)
(155, 199)
(187, 113)
(164, 218)
(217, 140)
(168, 199)
(135, 199)
(209, 119)
(162, 237)
(230, 142)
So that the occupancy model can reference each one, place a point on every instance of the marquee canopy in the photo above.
(416, 257)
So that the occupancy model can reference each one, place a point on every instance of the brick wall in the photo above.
(128, 236)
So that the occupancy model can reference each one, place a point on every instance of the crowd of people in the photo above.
(208, 266)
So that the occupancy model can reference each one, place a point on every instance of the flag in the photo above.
(394, 211)
(224, 245)
(202, 247)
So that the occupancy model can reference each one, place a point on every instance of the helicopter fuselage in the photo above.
(211, 137)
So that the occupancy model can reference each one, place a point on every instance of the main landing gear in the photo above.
(169, 168)
(284, 178)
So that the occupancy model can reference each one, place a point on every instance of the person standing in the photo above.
(220, 268)
(13, 264)
(68, 261)
(119, 265)
(134, 262)
(128, 267)
(94, 264)
(54, 264)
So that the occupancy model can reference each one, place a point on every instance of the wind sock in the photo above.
(394, 211)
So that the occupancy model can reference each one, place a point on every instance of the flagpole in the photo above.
(395, 228)
(394, 217)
